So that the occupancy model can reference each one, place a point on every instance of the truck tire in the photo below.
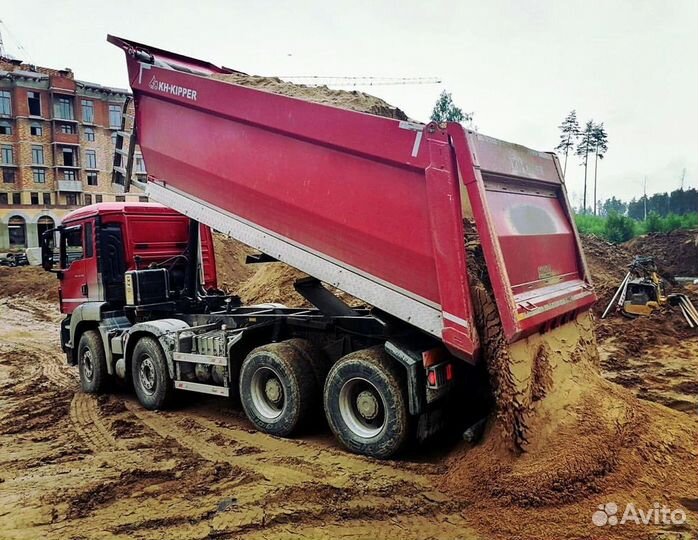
(278, 389)
(149, 374)
(92, 363)
(365, 403)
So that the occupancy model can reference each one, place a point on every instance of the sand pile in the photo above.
(561, 436)
(29, 281)
(273, 282)
(352, 100)
(608, 264)
(230, 261)
(676, 252)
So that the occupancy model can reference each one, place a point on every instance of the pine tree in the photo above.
(599, 139)
(446, 111)
(569, 133)
(584, 148)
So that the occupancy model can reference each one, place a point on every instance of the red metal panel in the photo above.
(305, 190)
(533, 255)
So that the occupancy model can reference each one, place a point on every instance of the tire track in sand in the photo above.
(85, 418)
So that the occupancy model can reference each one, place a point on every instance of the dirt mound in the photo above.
(550, 397)
(31, 281)
(230, 261)
(676, 253)
(352, 100)
(608, 264)
(273, 282)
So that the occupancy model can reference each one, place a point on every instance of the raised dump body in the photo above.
(371, 205)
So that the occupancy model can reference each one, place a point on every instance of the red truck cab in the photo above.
(98, 244)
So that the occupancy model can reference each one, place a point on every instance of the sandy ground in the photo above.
(78, 466)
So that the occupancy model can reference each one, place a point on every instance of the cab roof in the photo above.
(101, 209)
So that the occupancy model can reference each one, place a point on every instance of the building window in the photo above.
(8, 154)
(63, 108)
(88, 198)
(16, 198)
(69, 159)
(142, 198)
(5, 128)
(5, 103)
(39, 176)
(3, 198)
(18, 232)
(71, 198)
(98, 198)
(92, 179)
(115, 116)
(139, 165)
(34, 100)
(113, 139)
(37, 155)
(68, 129)
(47, 199)
(90, 134)
(69, 176)
(34, 198)
(36, 130)
(120, 198)
(91, 159)
(8, 175)
(88, 111)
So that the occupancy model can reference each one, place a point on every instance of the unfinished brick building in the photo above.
(56, 148)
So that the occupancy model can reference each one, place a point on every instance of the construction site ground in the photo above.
(77, 466)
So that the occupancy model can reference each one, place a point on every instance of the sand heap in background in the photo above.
(676, 252)
(352, 100)
(608, 264)
(29, 281)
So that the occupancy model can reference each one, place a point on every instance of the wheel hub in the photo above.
(87, 366)
(147, 374)
(273, 390)
(367, 405)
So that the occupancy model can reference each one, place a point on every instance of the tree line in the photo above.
(662, 212)
(589, 143)
(678, 202)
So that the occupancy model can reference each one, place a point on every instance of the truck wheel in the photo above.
(277, 388)
(92, 363)
(365, 403)
(149, 374)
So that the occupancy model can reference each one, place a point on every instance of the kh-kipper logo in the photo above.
(174, 89)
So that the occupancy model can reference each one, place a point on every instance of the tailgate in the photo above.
(528, 236)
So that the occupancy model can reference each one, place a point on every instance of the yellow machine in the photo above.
(645, 292)
(642, 291)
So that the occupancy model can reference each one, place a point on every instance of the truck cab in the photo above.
(98, 246)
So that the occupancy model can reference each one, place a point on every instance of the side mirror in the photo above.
(47, 250)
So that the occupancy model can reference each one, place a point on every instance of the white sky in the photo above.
(520, 66)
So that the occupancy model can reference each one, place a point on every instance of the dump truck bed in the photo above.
(371, 205)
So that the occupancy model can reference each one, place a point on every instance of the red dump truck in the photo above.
(370, 205)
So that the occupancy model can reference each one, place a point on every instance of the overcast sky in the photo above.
(520, 66)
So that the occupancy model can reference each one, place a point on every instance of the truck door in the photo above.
(112, 263)
(73, 281)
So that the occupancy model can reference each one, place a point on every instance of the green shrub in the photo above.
(653, 223)
(619, 228)
(671, 223)
(589, 224)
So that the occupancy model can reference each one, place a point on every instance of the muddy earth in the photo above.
(79, 466)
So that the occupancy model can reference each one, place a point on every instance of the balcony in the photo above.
(66, 138)
(72, 186)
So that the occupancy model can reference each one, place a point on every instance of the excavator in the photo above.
(642, 291)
